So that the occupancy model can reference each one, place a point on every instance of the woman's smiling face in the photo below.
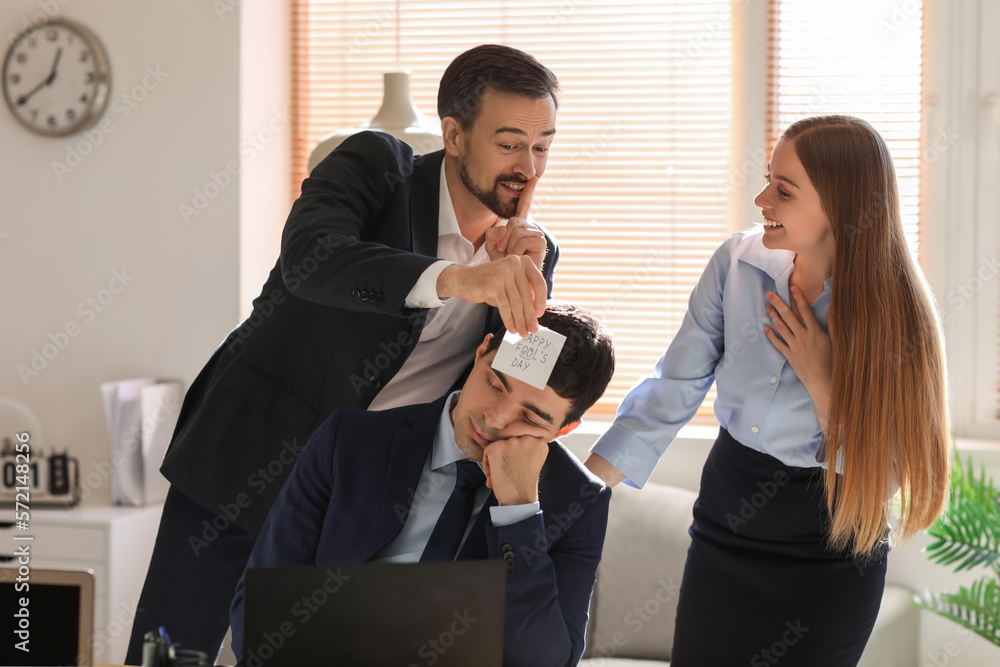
(794, 218)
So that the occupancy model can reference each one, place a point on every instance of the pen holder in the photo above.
(158, 652)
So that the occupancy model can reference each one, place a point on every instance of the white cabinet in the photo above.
(115, 543)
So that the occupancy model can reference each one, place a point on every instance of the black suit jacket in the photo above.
(352, 489)
(329, 329)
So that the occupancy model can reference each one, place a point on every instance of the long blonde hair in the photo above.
(888, 418)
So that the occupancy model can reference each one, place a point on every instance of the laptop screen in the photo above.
(51, 614)
(446, 614)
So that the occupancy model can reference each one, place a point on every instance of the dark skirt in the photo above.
(761, 586)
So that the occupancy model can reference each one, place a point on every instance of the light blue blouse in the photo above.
(760, 400)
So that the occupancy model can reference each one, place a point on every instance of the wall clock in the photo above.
(56, 77)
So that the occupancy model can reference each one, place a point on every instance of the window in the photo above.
(635, 186)
(664, 133)
(862, 59)
(961, 235)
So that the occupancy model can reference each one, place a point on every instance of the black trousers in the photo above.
(761, 586)
(197, 560)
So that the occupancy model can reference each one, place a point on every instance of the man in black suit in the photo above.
(370, 487)
(392, 268)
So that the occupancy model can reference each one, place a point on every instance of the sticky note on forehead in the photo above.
(529, 359)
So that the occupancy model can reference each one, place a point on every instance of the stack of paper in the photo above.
(141, 415)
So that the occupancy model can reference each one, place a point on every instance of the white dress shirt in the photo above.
(454, 327)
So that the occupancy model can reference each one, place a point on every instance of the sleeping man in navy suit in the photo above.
(371, 487)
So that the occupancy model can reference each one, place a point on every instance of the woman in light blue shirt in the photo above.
(819, 430)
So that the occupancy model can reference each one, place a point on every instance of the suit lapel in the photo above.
(411, 445)
(424, 202)
(406, 463)
(372, 512)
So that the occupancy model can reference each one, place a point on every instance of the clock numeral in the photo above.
(90, 77)
(69, 39)
(32, 42)
(34, 115)
(84, 98)
(22, 57)
(15, 78)
(52, 122)
(84, 56)
(52, 34)
(70, 115)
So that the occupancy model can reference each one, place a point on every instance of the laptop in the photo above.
(51, 614)
(446, 614)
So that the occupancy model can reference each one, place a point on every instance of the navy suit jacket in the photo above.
(351, 490)
(329, 329)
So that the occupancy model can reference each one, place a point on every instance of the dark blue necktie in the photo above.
(450, 527)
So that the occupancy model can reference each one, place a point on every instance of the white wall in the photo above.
(62, 236)
(266, 143)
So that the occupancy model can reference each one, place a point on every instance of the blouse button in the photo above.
(774, 378)
(755, 429)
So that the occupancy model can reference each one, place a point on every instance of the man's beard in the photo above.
(492, 199)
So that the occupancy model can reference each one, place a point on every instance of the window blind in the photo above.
(857, 57)
(635, 185)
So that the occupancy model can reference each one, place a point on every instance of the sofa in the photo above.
(635, 597)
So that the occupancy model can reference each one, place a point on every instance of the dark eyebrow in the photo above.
(520, 132)
(786, 180)
(541, 413)
(503, 379)
(530, 406)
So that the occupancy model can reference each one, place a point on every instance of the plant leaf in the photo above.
(967, 534)
(976, 608)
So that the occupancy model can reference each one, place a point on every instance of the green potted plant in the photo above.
(967, 535)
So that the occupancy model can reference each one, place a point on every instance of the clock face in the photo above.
(56, 78)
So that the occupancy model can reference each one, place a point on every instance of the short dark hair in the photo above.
(586, 362)
(491, 67)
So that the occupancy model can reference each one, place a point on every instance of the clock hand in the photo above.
(55, 64)
(23, 99)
